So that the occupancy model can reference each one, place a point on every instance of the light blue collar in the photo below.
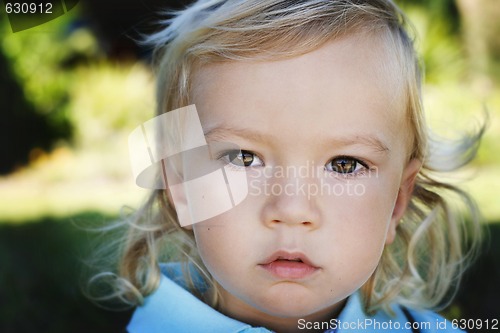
(171, 308)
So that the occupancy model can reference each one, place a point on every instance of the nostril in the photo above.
(306, 223)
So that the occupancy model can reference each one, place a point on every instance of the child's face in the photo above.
(337, 109)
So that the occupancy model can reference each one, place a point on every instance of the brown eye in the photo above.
(243, 158)
(343, 165)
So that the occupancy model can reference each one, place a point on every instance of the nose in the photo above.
(291, 202)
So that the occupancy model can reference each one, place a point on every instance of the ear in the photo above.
(404, 196)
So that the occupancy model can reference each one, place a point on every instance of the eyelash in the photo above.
(364, 166)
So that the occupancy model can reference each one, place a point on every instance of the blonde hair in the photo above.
(433, 245)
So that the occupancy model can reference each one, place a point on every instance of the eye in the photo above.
(244, 158)
(345, 165)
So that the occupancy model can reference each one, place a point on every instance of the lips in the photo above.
(289, 265)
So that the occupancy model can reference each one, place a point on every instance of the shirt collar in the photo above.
(171, 308)
(354, 319)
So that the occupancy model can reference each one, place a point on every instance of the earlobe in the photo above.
(404, 196)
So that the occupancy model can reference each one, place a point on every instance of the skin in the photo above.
(294, 112)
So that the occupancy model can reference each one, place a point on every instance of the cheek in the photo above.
(360, 221)
(379, 198)
(211, 242)
(220, 244)
(367, 204)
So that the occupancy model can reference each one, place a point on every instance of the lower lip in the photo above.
(292, 270)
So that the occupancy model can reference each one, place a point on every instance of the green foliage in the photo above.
(108, 101)
(437, 10)
(39, 57)
(65, 77)
(454, 101)
(437, 39)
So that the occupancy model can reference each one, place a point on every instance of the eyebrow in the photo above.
(223, 132)
(220, 133)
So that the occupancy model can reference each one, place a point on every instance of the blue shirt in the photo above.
(171, 308)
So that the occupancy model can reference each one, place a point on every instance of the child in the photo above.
(343, 226)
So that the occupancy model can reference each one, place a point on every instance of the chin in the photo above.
(289, 305)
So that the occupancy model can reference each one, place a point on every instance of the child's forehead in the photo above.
(367, 59)
(350, 83)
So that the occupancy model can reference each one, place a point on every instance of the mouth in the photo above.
(289, 265)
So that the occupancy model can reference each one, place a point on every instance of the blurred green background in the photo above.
(71, 90)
